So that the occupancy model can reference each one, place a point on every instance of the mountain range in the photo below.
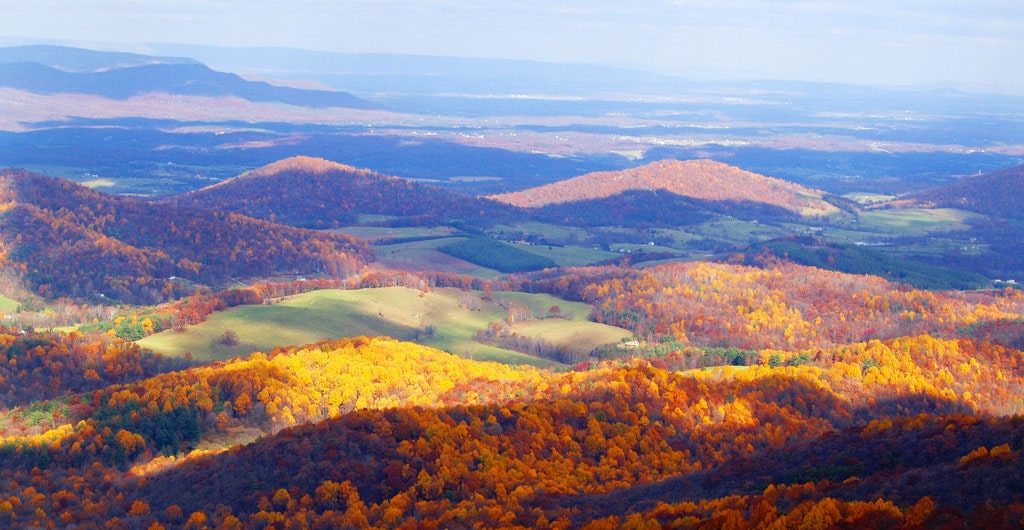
(118, 76)
(124, 247)
(285, 198)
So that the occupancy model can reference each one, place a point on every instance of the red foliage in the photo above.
(69, 240)
(317, 193)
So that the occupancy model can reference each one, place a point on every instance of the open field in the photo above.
(424, 256)
(917, 221)
(544, 230)
(568, 256)
(583, 339)
(736, 231)
(394, 311)
(7, 305)
(377, 233)
(868, 198)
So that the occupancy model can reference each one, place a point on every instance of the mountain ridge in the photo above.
(998, 194)
(318, 193)
(192, 79)
(82, 60)
(696, 179)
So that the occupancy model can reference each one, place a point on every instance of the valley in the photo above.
(424, 293)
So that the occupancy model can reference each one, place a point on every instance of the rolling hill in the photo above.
(372, 432)
(852, 403)
(444, 318)
(317, 193)
(68, 240)
(702, 180)
(997, 194)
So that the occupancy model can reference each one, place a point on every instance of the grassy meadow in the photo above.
(398, 312)
(916, 221)
(7, 305)
(424, 256)
(568, 256)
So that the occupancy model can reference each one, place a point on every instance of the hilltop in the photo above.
(997, 194)
(317, 193)
(67, 240)
(703, 180)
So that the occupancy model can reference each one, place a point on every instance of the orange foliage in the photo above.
(785, 307)
(74, 241)
(375, 432)
(699, 179)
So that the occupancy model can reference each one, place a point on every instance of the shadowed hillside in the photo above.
(317, 193)
(68, 240)
(999, 194)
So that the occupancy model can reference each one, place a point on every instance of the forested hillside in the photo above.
(857, 259)
(317, 193)
(783, 306)
(874, 434)
(999, 194)
(703, 180)
(68, 240)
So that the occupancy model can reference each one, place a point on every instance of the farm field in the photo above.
(378, 233)
(7, 305)
(568, 256)
(440, 318)
(917, 221)
(424, 256)
(867, 198)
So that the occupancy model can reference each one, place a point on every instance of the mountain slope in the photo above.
(591, 433)
(999, 194)
(697, 179)
(915, 431)
(70, 59)
(854, 259)
(313, 192)
(178, 79)
(68, 240)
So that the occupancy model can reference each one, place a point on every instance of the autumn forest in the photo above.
(669, 339)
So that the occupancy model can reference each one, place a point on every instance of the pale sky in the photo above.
(972, 44)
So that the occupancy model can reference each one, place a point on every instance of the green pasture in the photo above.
(737, 231)
(867, 198)
(917, 221)
(7, 305)
(446, 319)
(377, 233)
(581, 337)
(547, 231)
(568, 256)
(424, 256)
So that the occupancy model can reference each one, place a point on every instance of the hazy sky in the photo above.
(976, 44)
